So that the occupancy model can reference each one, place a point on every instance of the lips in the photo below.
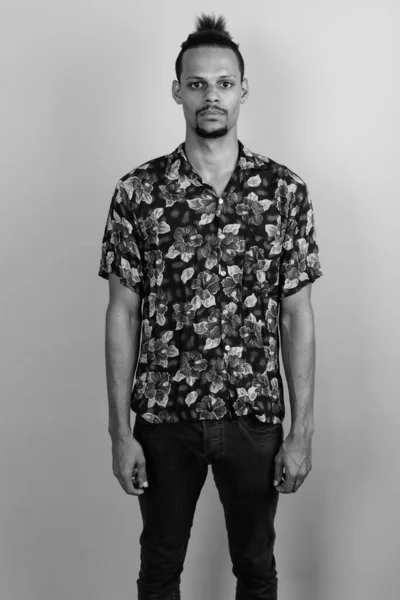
(211, 112)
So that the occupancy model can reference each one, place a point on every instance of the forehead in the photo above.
(209, 60)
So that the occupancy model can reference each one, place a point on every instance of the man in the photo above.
(209, 252)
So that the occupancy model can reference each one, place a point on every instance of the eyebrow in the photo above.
(202, 78)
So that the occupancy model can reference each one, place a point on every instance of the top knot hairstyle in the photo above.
(210, 31)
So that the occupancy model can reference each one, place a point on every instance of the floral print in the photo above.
(211, 271)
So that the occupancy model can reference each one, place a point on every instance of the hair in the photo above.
(210, 31)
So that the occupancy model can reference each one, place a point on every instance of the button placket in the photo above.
(229, 218)
(221, 303)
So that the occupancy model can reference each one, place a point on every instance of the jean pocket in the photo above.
(254, 425)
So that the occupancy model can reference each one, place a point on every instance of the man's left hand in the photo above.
(295, 457)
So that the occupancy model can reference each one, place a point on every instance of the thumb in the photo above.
(142, 475)
(278, 473)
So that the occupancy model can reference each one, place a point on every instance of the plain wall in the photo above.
(86, 98)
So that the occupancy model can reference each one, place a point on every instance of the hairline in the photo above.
(213, 45)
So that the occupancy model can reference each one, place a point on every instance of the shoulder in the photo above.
(281, 171)
(142, 177)
(291, 177)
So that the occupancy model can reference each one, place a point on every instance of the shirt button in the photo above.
(227, 347)
(220, 201)
(222, 272)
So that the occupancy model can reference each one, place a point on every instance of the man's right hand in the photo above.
(129, 464)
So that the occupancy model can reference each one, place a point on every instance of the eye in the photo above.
(227, 84)
(195, 83)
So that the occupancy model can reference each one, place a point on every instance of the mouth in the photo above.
(211, 114)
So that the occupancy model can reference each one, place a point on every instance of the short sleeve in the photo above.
(300, 264)
(121, 250)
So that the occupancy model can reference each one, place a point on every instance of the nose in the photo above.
(211, 95)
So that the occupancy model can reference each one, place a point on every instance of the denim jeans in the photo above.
(241, 453)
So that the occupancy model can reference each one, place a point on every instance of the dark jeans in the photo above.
(241, 453)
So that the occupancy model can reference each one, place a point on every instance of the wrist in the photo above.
(302, 428)
(120, 432)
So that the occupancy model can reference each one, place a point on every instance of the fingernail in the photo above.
(145, 484)
(275, 482)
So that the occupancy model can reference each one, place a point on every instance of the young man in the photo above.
(209, 252)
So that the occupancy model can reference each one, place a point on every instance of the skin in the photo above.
(210, 79)
(296, 325)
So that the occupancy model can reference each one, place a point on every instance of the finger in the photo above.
(137, 487)
(281, 485)
(280, 470)
(138, 484)
(282, 488)
(299, 481)
(142, 475)
(134, 477)
(278, 473)
(128, 487)
(287, 486)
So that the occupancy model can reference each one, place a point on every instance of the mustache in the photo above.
(209, 109)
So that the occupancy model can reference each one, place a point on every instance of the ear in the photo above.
(245, 91)
(176, 91)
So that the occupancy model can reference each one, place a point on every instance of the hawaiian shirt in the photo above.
(211, 272)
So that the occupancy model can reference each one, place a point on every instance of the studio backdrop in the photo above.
(86, 98)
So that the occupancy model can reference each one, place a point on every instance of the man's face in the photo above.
(210, 90)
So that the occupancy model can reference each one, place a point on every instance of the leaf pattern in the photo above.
(211, 271)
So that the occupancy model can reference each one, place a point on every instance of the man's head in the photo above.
(210, 82)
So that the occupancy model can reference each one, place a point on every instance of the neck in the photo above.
(212, 156)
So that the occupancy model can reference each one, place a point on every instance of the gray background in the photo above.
(87, 98)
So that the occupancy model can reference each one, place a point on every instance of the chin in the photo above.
(211, 133)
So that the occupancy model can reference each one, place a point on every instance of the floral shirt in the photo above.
(211, 271)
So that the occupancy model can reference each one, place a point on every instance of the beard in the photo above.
(213, 133)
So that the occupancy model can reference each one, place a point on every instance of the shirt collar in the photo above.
(248, 160)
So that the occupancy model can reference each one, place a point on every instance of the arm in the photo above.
(123, 326)
(296, 322)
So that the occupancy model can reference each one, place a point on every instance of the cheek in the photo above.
(188, 114)
(233, 102)
(189, 108)
(234, 109)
